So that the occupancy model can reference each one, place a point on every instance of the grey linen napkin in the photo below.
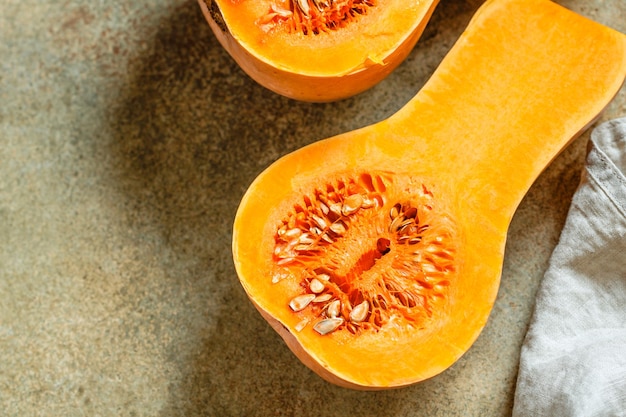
(573, 359)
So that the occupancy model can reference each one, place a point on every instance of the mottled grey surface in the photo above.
(127, 138)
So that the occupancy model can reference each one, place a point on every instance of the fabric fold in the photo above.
(573, 359)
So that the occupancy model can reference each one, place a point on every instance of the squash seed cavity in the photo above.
(366, 249)
(312, 17)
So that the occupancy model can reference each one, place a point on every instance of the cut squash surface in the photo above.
(377, 254)
(336, 50)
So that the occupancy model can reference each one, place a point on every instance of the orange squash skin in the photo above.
(525, 78)
(311, 81)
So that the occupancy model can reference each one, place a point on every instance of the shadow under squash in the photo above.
(191, 132)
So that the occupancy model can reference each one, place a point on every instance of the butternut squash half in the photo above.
(318, 50)
(377, 254)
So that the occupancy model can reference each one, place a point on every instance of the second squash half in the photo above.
(317, 50)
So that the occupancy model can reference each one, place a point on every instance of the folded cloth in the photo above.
(573, 358)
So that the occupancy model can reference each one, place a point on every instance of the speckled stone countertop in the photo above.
(127, 138)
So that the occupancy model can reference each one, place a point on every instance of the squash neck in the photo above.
(494, 134)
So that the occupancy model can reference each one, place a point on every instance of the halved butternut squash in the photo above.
(318, 50)
(377, 254)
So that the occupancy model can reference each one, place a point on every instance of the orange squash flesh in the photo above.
(327, 66)
(524, 79)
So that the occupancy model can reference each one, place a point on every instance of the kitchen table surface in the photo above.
(127, 139)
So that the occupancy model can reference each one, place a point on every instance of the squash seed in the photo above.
(316, 286)
(323, 277)
(300, 302)
(333, 309)
(335, 208)
(351, 204)
(338, 228)
(394, 212)
(292, 233)
(301, 325)
(322, 298)
(368, 203)
(327, 238)
(306, 239)
(395, 224)
(320, 222)
(304, 6)
(326, 326)
(302, 248)
(285, 261)
(359, 312)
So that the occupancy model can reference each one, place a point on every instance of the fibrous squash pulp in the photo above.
(377, 254)
(318, 50)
